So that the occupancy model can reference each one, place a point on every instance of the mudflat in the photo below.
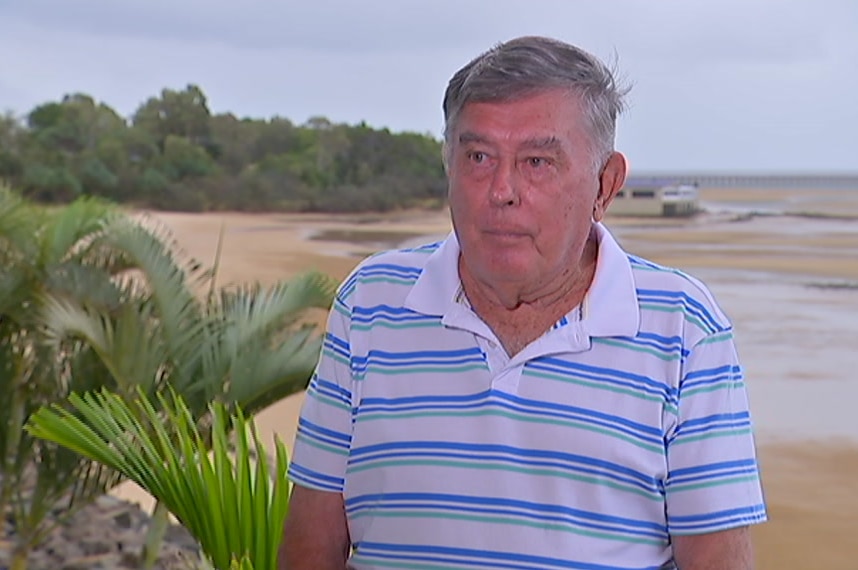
(787, 275)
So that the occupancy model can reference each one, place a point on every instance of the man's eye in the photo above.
(537, 162)
(477, 157)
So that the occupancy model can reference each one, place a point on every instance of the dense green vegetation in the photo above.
(233, 503)
(174, 154)
(93, 299)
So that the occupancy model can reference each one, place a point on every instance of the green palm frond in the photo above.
(178, 310)
(15, 288)
(234, 506)
(131, 359)
(19, 231)
(12, 407)
(261, 376)
(85, 283)
(19, 225)
(261, 356)
(256, 311)
(241, 564)
(71, 229)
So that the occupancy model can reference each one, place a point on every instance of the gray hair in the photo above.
(528, 65)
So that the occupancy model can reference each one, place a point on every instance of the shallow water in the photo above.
(799, 347)
(797, 332)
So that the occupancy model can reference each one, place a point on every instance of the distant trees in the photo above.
(174, 154)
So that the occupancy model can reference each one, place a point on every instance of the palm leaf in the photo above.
(256, 311)
(19, 225)
(86, 284)
(261, 357)
(178, 310)
(234, 506)
(15, 287)
(73, 228)
(265, 375)
(130, 360)
(19, 231)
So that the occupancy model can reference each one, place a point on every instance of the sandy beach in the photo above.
(788, 279)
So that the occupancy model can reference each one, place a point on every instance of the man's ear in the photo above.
(611, 180)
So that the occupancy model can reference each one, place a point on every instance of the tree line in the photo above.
(174, 154)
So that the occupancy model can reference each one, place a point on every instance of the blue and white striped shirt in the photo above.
(624, 424)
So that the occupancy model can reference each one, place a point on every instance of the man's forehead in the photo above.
(543, 120)
(573, 100)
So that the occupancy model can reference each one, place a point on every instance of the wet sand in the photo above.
(790, 283)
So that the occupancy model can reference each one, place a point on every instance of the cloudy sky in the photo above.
(751, 85)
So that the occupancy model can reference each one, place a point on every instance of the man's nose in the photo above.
(504, 189)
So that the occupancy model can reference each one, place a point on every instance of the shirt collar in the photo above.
(610, 306)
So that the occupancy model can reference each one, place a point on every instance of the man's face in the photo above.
(523, 189)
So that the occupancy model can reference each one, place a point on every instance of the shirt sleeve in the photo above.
(713, 480)
(324, 430)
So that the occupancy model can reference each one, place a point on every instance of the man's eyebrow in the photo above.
(543, 143)
(537, 143)
(471, 137)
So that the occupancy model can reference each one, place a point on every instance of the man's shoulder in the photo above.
(406, 261)
(666, 288)
(389, 270)
(656, 274)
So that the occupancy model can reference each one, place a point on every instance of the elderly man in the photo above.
(524, 394)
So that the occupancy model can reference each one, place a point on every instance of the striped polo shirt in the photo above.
(625, 423)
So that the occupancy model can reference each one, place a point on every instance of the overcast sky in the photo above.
(755, 85)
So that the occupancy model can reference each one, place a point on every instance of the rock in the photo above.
(94, 562)
(106, 535)
(123, 520)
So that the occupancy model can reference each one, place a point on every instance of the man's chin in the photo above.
(513, 239)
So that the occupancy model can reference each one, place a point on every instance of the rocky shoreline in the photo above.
(106, 535)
